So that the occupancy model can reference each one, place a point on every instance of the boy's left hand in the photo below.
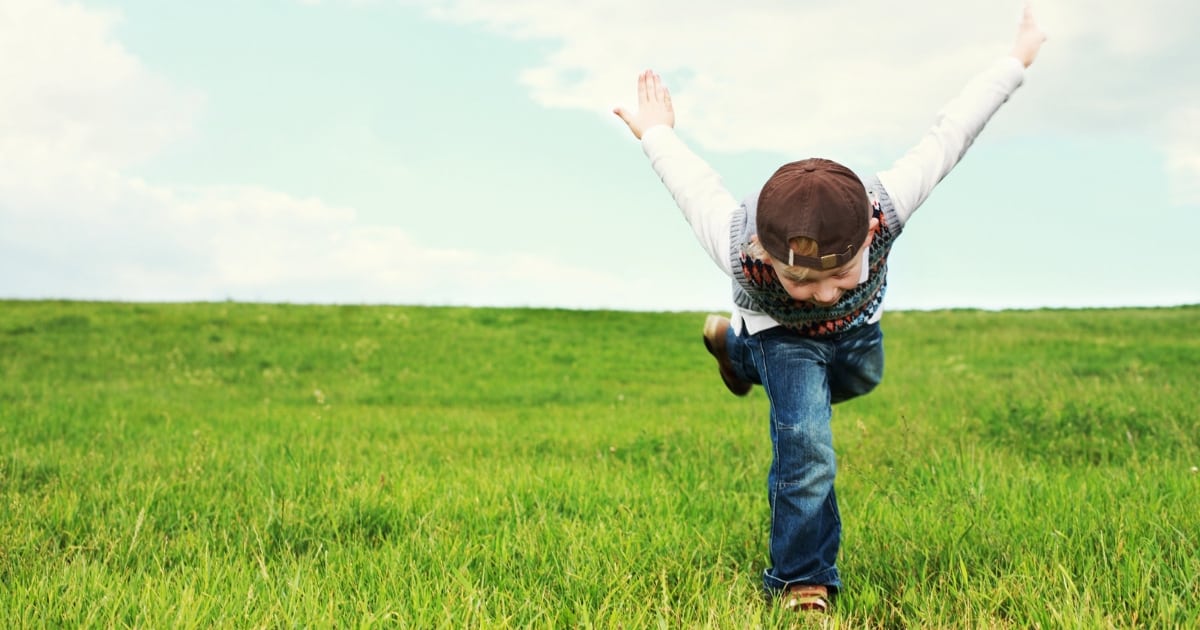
(1030, 38)
(654, 106)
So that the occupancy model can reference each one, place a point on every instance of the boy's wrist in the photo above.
(657, 136)
(654, 130)
(1015, 68)
(1015, 62)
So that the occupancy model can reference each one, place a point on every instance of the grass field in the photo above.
(244, 465)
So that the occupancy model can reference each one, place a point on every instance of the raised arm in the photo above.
(912, 178)
(697, 189)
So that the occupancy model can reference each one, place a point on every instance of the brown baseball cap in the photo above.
(817, 199)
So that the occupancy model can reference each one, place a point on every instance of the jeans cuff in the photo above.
(828, 578)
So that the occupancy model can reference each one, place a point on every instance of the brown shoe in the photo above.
(715, 328)
(802, 597)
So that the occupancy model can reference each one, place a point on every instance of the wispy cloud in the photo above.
(858, 78)
(1182, 130)
(79, 113)
(75, 119)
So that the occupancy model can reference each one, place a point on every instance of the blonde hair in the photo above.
(801, 245)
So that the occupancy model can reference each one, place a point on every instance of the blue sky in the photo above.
(463, 151)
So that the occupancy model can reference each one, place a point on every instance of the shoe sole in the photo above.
(712, 337)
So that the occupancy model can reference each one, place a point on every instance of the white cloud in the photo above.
(77, 110)
(78, 113)
(1182, 131)
(858, 79)
(70, 93)
(758, 75)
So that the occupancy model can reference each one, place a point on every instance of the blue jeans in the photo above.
(803, 378)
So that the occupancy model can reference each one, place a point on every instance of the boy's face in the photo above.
(823, 287)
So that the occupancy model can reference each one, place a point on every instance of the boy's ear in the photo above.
(871, 227)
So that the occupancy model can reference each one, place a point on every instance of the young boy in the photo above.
(808, 258)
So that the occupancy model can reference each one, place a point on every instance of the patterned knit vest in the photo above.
(755, 286)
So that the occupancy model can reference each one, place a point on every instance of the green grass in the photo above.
(241, 465)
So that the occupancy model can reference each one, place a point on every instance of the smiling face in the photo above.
(822, 287)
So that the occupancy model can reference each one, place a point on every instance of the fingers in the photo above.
(1030, 37)
(624, 115)
(661, 92)
(652, 90)
(1027, 19)
(654, 105)
(1029, 22)
(649, 88)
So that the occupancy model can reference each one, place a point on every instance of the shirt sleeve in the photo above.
(697, 189)
(912, 178)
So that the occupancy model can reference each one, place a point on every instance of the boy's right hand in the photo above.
(654, 106)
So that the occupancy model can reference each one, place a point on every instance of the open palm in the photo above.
(654, 105)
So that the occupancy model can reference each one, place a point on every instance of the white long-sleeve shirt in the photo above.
(708, 206)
